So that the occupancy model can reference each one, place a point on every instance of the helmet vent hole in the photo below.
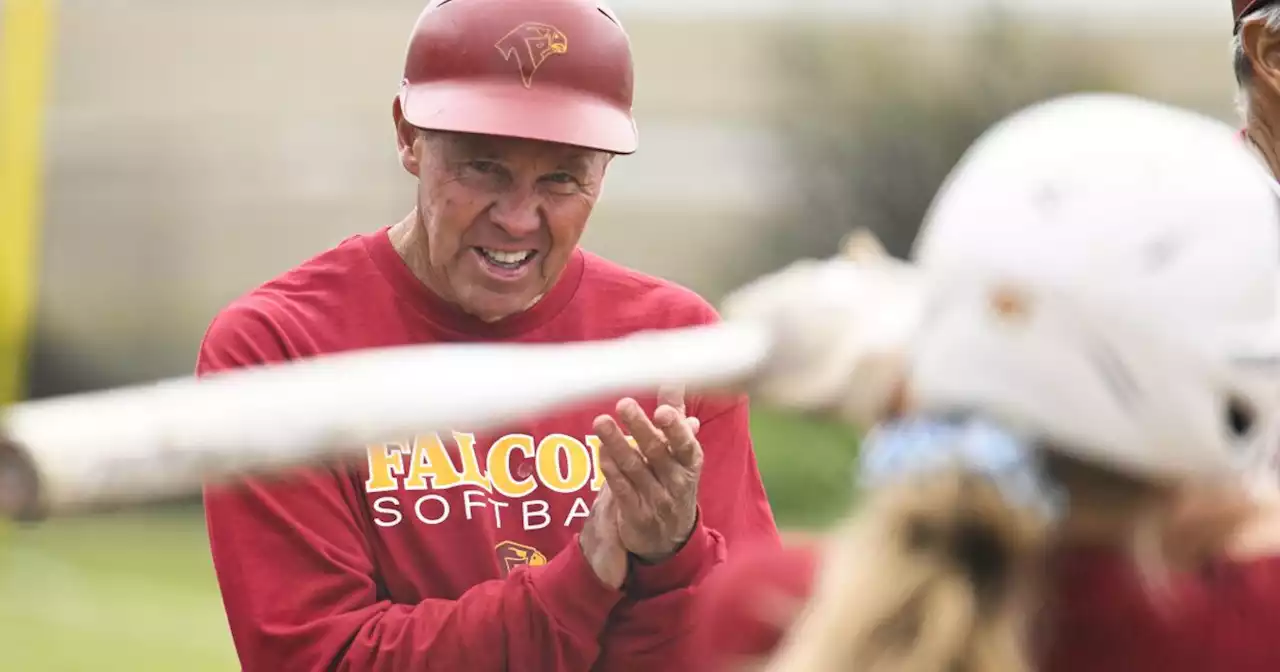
(1240, 417)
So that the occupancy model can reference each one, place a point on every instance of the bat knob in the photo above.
(19, 484)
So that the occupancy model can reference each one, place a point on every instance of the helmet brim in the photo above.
(543, 112)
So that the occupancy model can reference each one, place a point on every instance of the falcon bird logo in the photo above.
(529, 45)
(512, 555)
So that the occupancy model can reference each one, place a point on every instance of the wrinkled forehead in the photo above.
(470, 145)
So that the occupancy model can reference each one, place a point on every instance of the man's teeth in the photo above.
(506, 258)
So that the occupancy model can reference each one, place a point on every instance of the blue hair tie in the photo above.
(901, 450)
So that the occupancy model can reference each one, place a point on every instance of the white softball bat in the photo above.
(132, 445)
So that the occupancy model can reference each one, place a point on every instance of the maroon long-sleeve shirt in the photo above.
(1099, 616)
(459, 552)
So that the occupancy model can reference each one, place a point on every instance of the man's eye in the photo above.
(562, 178)
(485, 167)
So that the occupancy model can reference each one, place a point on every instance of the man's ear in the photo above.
(1262, 48)
(407, 138)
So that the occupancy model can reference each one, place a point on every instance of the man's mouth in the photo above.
(507, 260)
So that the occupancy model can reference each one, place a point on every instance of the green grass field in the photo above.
(136, 592)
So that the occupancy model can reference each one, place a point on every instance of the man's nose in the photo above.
(517, 212)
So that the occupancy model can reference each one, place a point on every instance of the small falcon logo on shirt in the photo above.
(512, 555)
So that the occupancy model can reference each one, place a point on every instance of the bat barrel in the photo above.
(156, 442)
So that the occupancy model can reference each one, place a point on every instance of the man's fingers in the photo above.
(624, 494)
(628, 466)
(680, 434)
(652, 443)
(604, 512)
(673, 396)
(604, 499)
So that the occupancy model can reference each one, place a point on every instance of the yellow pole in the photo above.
(25, 31)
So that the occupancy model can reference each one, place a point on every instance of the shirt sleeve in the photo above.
(744, 608)
(1223, 617)
(301, 589)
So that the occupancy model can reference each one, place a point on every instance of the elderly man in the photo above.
(1255, 49)
(570, 542)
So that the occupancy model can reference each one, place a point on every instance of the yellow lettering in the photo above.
(471, 474)
(579, 469)
(499, 465)
(386, 463)
(430, 466)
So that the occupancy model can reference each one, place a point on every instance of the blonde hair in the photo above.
(944, 573)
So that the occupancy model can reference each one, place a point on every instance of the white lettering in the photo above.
(444, 506)
(497, 512)
(529, 514)
(469, 504)
(579, 510)
(395, 514)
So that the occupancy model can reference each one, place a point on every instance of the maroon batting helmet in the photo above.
(552, 70)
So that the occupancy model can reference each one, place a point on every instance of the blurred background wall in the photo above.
(195, 149)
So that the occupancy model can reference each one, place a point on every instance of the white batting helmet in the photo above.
(1110, 269)
(1098, 273)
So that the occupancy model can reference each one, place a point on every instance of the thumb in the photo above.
(604, 499)
(673, 396)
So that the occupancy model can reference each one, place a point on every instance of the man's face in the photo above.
(499, 216)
